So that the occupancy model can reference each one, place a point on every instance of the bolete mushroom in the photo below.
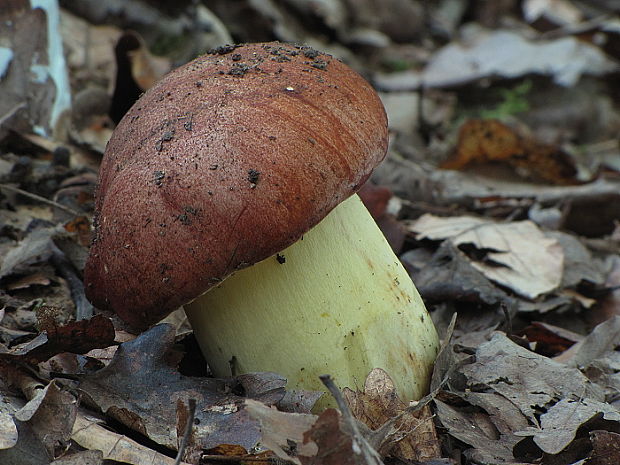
(229, 184)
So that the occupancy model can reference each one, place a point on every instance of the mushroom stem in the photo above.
(336, 302)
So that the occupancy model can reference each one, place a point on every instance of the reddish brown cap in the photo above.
(224, 162)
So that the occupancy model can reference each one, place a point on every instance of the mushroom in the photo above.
(229, 188)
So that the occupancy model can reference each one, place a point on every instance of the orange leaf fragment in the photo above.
(482, 141)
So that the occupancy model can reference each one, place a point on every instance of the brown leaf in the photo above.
(43, 423)
(603, 339)
(80, 226)
(490, 140)
(335, 447)
(77, 337)
(606, 448)
(140, 389)
(516, 255)
(412, 437)
(559, 425)
(283, 433)
(476, 431)
(88, 433)
(53, 418)
(375, 198)
(29, 449)
(450, 275)
(36, 89)
(24, 282)
(550, 340)
(529, 380)
(36, 246)
(8, 430)
(86, 457)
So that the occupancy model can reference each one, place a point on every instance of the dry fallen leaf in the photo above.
(283, 433)
(43, 423)
(559, 425)
(606, 448)
(141, 390)
(85, 457)
(529, 380)
(88, 433)
(483, 141)
(75, 336)
(450, 276)
(412, 437)
(516, 255)
(8, 430)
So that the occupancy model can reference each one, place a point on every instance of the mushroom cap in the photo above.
(224, 162)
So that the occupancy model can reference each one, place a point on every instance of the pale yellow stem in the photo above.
(340, 304)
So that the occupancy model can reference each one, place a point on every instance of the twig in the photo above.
(370, 456)
(38, 198)
(9, 114)
(243, 459)
(188, 430)
(83, 308)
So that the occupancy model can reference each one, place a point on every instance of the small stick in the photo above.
(83, 308)
(370, 456)
(188, 430)
(38, 198)
(240, 459)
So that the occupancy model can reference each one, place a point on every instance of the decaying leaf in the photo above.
(550, 340)
(529, 380)
(483, 141)
(412, 437)
(29, 449)
(559, 425)
(88, 433)
(337, 444)
(479, 56)
(35, 246)
(8, 430)
(478, 432)
(43, 423)
(86, 457)
(606, 448)
(283, 433)
(556, 11)
(603, 339)
(139, 389)
(512, 394)
(77, 337)
(305, 439)
(451, 276)
(51, 415)
(35, 84)
(516, 255)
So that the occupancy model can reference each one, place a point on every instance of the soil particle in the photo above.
(222, 50)
(311, 53)
(189, 122)
(238, 69)
(167, 136)
(158, 177)
(319, 64)
(184, 219)
(253, 176)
